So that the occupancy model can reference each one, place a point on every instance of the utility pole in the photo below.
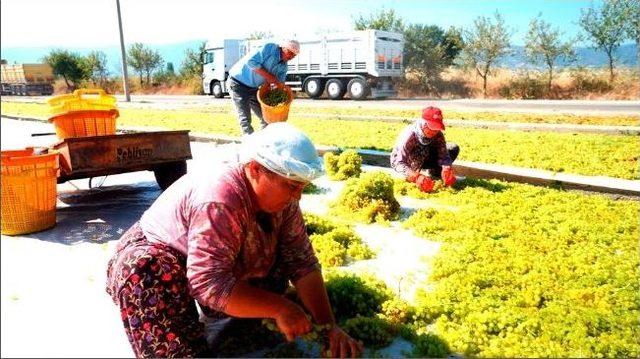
(125, 77)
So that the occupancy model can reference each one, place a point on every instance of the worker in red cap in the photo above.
(422, 146)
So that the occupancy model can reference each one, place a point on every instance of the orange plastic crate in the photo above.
(29, 191)
(85, 123)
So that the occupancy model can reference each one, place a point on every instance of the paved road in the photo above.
(542, 106)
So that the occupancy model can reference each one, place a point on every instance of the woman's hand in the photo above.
(342, 345)
(292, 321)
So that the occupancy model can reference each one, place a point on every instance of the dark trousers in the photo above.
(431, 163)
(245, 99)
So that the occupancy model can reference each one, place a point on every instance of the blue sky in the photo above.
(86, 23)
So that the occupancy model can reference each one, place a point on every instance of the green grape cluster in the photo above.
(396, 311)
(526, 271)
(346, 165)
(276, 97)
(374, 332)
(333, 243)
(368, 199)
(318, 224)
(318, 332)
(351, 296)
(429, 346)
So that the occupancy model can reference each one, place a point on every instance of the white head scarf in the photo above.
(285, 150)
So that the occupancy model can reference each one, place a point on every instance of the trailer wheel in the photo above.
(216, 89)
(335, 89)
(358, 89)
(167, 173)
(313, 87)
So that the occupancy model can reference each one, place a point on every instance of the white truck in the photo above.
(357, 63)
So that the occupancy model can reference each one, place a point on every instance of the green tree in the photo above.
(424, 53)
(543, 45)
(69, 65)
(485, 43)
(452, 43)
(192, 64)
(606, 28)
(632, 15)
(143, 60)
(96, 66)
(386, 20)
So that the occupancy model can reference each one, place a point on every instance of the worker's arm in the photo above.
(212, 251)
(247, 301)
(313, 294)
(268, 77)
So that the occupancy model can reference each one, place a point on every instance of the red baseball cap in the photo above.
(433, 118)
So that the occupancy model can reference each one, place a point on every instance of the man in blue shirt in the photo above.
(266, 64)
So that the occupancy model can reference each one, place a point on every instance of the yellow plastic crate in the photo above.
(29, 191)
(81, 100)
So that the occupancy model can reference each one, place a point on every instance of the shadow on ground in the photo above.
(98, 215)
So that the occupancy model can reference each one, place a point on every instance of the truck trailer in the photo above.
(26, 79)
(358, 64)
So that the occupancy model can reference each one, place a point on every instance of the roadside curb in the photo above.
(466, 168)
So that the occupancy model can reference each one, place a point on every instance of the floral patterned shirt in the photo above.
(412, 149)
(214, 220)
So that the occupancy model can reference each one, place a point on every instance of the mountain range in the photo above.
(175, 53)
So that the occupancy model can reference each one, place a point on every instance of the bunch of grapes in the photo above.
(276, 97)
(374, 332)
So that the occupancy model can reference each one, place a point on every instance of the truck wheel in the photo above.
(313, 88)
(216, 89)
(335, 89)
(167, 173)
(358, 89)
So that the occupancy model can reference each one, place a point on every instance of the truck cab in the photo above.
(217, 58)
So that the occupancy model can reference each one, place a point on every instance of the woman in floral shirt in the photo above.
(209, 238)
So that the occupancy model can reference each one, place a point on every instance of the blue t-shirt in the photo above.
(268, 57)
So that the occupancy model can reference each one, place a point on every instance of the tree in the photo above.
(96, 66)
(192, 64)
(424, 52)
(484, 44)
(452, 43)
(542, 44)
(143, 60)
(632, 15)
(606, 28)
(386, 20)
(68, 65)
(258, 35)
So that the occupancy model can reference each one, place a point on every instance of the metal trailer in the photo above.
(358, 64)
(164, 152)
(26, 79)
